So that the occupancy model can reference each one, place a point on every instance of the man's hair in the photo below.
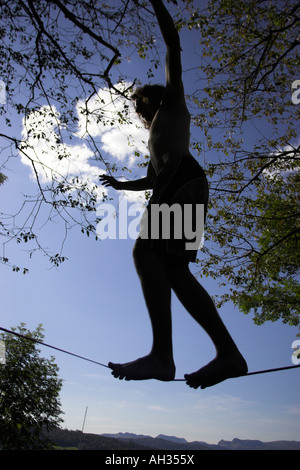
(153, 93)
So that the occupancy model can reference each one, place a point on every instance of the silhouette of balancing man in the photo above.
(163, 264)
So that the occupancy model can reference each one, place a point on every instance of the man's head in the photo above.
(147, 100)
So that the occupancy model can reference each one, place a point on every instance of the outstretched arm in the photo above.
(141, 184)
(171, 39)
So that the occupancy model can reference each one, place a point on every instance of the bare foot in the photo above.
(148, 367)
(221, 368)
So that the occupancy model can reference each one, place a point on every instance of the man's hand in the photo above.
(110, 181)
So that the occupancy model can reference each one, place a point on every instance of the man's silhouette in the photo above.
(163, 265)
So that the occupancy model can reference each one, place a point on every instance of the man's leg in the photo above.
(156, 287)
(228, 362)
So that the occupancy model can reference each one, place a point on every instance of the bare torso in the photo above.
(169, 133)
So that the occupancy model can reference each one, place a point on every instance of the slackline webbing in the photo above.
(277, 369)
(53, 347)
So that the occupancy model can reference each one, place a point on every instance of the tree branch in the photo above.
(91, 33)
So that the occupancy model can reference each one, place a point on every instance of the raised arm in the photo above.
(172, 41)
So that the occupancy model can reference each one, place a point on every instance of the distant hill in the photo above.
(63, 438)
(161, 442)
(174, 443)
(238, 444)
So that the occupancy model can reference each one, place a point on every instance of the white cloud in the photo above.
(284, 165)
(63, 162)
(224, 403)
(294, 409)
(159, 408)
(52, 159)
(120, 139)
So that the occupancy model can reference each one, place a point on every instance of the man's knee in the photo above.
(177, 268)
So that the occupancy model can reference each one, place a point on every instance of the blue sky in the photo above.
(93, 306)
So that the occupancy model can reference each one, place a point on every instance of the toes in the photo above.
(113, 366)
(194, 382)
(117, 375)
(116, 370)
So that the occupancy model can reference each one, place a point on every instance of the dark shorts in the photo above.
(173, 221)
